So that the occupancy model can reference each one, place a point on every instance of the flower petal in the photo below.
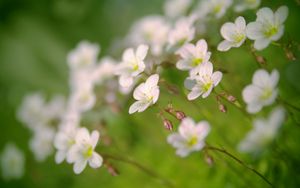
(281, 14)
(94, 138)
(261, 44)
(224, 46)
(254, 30)
(79, 166)
(128, 55)
(96, 160)
(142, 51)
(217, 77)
(60, 156)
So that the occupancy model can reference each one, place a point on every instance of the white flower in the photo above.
(82, 152)
(193, 56)
(182, 33)
(146, 94)
(263, 132)
(42, 143)
(64, 140)
(263, 90)
(267, 27)
(12, 162)
(190, 136)
(204, 82)
(176, 8)
(84, 56)
(233, 33)
(217, 8)
(145, 31)
(82, 100)
(132, 65)
(246, 4)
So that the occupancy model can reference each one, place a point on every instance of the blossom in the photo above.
(42, 143)
(145, 31)
(263, 133)
(267, 27)
(176, 8)
(217, 8)
(84, 56)
(64, 140)
(203, 83)
(246, 4)
(263, 90)
(193, 55)
(83, 151)
(12, 162)
(82, 100)
(132, 65)
(182, 33)
(104, 70)
(146, 94)
(233, 33)
(190, 136)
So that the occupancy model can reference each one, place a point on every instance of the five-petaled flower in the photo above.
(132, 65)
(233, 33)
(146, 94)
(263, 90)
(268, 26)
(193, 56)
(204, 82)
(82, 152)
(190, 136)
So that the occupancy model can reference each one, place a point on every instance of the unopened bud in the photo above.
(209, 160)
(180, 115)
(290, 55)
(168, 124)
(222, 108)
(261, 60)
(231, 98)
(112, 170)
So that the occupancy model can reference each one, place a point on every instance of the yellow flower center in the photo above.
(267, 93)
(238, 38)
(271, 31)
(192, 141)
(196, 62)
(207, 86)
(89, 152)
(217, 8)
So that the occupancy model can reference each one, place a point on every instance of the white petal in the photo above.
(261, 78)
(261, 44)
(189, 83)
(139, 106)
(82, 134)
(195, 93)
(216, 77)
(142, 51)
(224, 46)
(94, 138)
(182, 152)
(265, 15)
(201, 45)
(281, 14)
(279, 33)
(186, 51)
(183, 64)
(96, 160)
(125, 81)
(274, 78)
(254, 108)
(72, 154)
(79, 166)
(202, 129)
(206, 69)
(152, 80)
(206, 94)
(240, 23)
(155, 95)
(128, 55)
(251, 93)
(228, 30)
(254, 30)
(60, 156)
(139, 92)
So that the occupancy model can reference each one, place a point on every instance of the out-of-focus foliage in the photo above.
(35, 37)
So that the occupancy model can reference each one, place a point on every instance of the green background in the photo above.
(35, 37)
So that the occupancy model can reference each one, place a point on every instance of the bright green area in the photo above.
(35, 37)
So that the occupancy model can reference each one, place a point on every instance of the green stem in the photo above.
(240, 162)
(140, 167)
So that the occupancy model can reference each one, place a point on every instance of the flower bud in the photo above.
(261, 60)
(222, 108)
(231, 98)
(209, 160)
(290, 55)
(180, 115)
(168, 124)
(111, 170)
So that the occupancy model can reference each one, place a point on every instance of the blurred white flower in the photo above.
(42, 143)
(63, 141)
(104, 70)
(246, 4)
(203, 83)
(268, 26)
(146, 94)
(145, 31)
(12, 162)
(182, 33)
(82, 152)
(216, 8)
(193, 56)
(263, 133)
(233, 33)
(176, 8)
(83, 56)
(82, 100)
(132, 65)
(263, 90)
(190, 136)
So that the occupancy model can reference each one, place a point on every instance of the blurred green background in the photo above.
(35, 37)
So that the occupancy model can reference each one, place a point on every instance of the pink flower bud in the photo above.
(168, 124)
(222, 108)
(231, 98)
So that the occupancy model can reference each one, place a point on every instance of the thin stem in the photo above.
(141, 167)
(240, 162)
(288, 104)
